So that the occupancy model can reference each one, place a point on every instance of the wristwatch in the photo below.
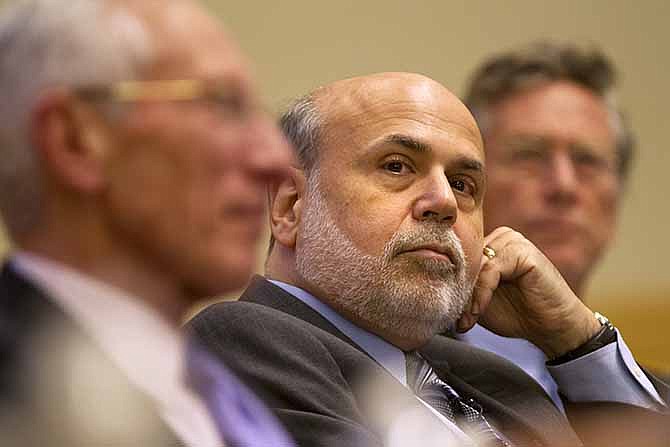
(606, 335)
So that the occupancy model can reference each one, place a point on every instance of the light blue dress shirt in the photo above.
(617, 376)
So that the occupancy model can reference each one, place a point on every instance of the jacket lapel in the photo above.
(262, 291)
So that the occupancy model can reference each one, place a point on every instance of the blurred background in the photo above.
(299, 44)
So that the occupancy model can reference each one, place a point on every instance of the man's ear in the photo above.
(286, 203)
(68, 136)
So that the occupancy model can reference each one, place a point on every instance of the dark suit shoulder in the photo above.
(46, 362)
(302, 372)
(244, 326)
(261, 341)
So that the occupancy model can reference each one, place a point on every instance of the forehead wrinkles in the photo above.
(361, 110)
(559, 108)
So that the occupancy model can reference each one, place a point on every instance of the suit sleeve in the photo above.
(289, 368)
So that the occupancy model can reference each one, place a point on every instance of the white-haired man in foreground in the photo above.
(134, 159)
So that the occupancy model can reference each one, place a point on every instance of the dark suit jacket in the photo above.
(318, 380)
(56, 387)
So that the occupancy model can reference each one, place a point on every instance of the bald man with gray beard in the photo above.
(378, 248)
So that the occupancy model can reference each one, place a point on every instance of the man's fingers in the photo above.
(495, 243)
(514, 254)
(487, 282)
(465, 323)
(498, 233)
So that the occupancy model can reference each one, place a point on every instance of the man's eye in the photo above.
(397, 167)
(528, 154)
(232, 106)
(462, 186)
(589, 159)
(229, 106)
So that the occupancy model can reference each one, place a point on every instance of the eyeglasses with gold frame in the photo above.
(230, 100)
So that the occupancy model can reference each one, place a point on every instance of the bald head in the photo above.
(367, 94)
(337, 109)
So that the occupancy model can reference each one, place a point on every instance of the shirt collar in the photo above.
(135, 337)
(141, 343)
(384, 353)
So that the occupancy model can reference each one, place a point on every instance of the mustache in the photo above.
(437, 237)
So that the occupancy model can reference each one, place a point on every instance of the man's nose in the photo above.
(437, 201)
(562, 182)
(270, 154)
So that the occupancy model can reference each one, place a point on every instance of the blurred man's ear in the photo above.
(67, 135)
(286, 203)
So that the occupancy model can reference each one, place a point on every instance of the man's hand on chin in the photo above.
(520, 294)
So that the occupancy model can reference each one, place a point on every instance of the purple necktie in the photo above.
(240, 417)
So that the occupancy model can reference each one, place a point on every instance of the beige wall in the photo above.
(297, 45)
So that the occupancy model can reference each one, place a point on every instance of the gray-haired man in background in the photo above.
(558, 151)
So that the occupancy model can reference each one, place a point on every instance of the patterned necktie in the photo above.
(241, 419)
(466, 414)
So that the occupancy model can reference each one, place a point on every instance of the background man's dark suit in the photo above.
(55, 384)
(314, 376)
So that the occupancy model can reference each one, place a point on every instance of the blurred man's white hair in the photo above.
(51, 43)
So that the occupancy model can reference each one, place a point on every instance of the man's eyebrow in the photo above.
(417, 145)
(408, 142)
(470, 164)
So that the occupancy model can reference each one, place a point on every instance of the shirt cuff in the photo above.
(608, 374)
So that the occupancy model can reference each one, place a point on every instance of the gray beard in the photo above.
(406, 296)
